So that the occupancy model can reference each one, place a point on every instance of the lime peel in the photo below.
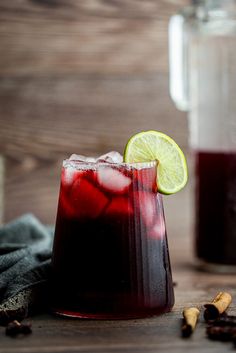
(172, 171)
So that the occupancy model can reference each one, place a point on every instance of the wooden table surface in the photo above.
(156, 334)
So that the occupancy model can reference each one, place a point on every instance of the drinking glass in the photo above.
(110, 255)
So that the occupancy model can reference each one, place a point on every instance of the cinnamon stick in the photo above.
(218, 306)
(190, 320)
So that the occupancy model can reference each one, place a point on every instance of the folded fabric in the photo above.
(25, 256)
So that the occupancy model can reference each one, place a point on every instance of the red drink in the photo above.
(110, 256)
(216, 207)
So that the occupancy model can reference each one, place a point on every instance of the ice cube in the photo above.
(68, 175)
(146, 203)
(81, 158)
(90, 159)
(66, 206)
(77, 157)
(119, 205)
(111, 157)
(158, 230)
(113, 180)
(87, 199)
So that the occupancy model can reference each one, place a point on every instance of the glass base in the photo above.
(203, 265)
(108, 316)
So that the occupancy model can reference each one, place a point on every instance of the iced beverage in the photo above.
(110, 256)
(216, 207)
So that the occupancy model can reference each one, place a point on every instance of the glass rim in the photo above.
(94, 165)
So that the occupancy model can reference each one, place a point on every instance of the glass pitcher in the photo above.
(202, 51)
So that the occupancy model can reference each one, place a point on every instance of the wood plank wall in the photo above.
(78, 76)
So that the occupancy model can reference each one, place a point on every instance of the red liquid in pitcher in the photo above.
(216, 207)
(110, 256)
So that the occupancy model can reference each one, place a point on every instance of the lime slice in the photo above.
(172, 172)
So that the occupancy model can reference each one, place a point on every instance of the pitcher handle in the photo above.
(179, 61)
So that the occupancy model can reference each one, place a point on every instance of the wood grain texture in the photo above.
(41, 37)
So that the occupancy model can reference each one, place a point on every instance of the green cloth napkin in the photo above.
(25, 256)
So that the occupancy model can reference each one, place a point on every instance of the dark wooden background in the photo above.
(78, 76)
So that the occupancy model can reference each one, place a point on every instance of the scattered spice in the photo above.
(224, 320)
(218, 306)
(8, 315)
(15, 328)
(223, 328)
(190, 320)
(221, 333)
